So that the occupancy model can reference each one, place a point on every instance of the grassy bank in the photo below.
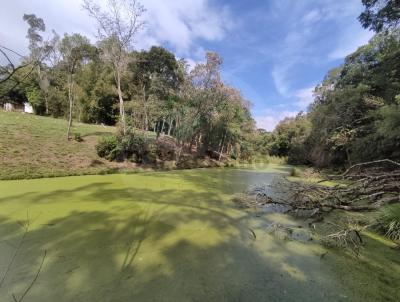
(34, 146)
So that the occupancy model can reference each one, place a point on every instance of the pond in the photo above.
(170, 236)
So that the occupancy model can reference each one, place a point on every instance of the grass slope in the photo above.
(34, 146)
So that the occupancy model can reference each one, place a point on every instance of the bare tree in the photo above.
(118, 25)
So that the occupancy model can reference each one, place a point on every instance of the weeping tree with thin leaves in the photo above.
(118, 25)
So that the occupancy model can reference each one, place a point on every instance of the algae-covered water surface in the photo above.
(170, 236)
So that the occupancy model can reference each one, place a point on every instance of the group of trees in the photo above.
(355, 116)
(111, 83)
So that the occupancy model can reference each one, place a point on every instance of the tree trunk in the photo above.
(169, 126)
(121, 101)
(46, 103)
(162, 126)
(146, 117)
(71, 103)
(221, 149)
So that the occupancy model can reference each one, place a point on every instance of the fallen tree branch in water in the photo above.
(362, 192)
(347, 237)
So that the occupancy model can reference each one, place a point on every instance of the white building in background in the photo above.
(26, 107)
(8, 107)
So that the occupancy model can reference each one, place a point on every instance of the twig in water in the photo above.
(26, 226)
(33, 280)
(253, 233)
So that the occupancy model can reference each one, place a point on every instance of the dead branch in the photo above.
(33, 280)
(25, 225)
(380, 162)
(365, 192)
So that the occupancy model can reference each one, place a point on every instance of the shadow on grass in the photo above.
(97, 133)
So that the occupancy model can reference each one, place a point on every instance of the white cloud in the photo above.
(300, 45)
(350, 42)
(305, 97)
(279, 76)
(180, 24)
(312, 17)
(271, 118)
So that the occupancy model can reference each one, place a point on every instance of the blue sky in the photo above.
(274, 51)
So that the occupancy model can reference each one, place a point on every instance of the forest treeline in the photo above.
(355, 115)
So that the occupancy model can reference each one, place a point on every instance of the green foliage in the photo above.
(289, 139)
(390, 220)
(132, 146)
(355, 114)
(108, 147)
(380, 15)
(78, 137)
(35, 98)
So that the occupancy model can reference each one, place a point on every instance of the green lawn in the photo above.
(34, 146)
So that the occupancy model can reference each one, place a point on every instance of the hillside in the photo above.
(34, 146)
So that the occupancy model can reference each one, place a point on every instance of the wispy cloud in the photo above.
(179, 24)
(304, 97)
(270, 119)
(182, 23)
(279, 76)
(350, 42)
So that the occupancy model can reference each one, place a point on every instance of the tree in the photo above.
(154, 79)
(40, 51)
(118, 26)
(380, 15)
(73, 50)
(355, 109)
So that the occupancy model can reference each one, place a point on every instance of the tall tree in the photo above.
(40, 50)
(118, 26)
(154, 78)
(73, 50)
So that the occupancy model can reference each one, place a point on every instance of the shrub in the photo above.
(390, 221)
(78, 137)
(107, 147)
(132, 146)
